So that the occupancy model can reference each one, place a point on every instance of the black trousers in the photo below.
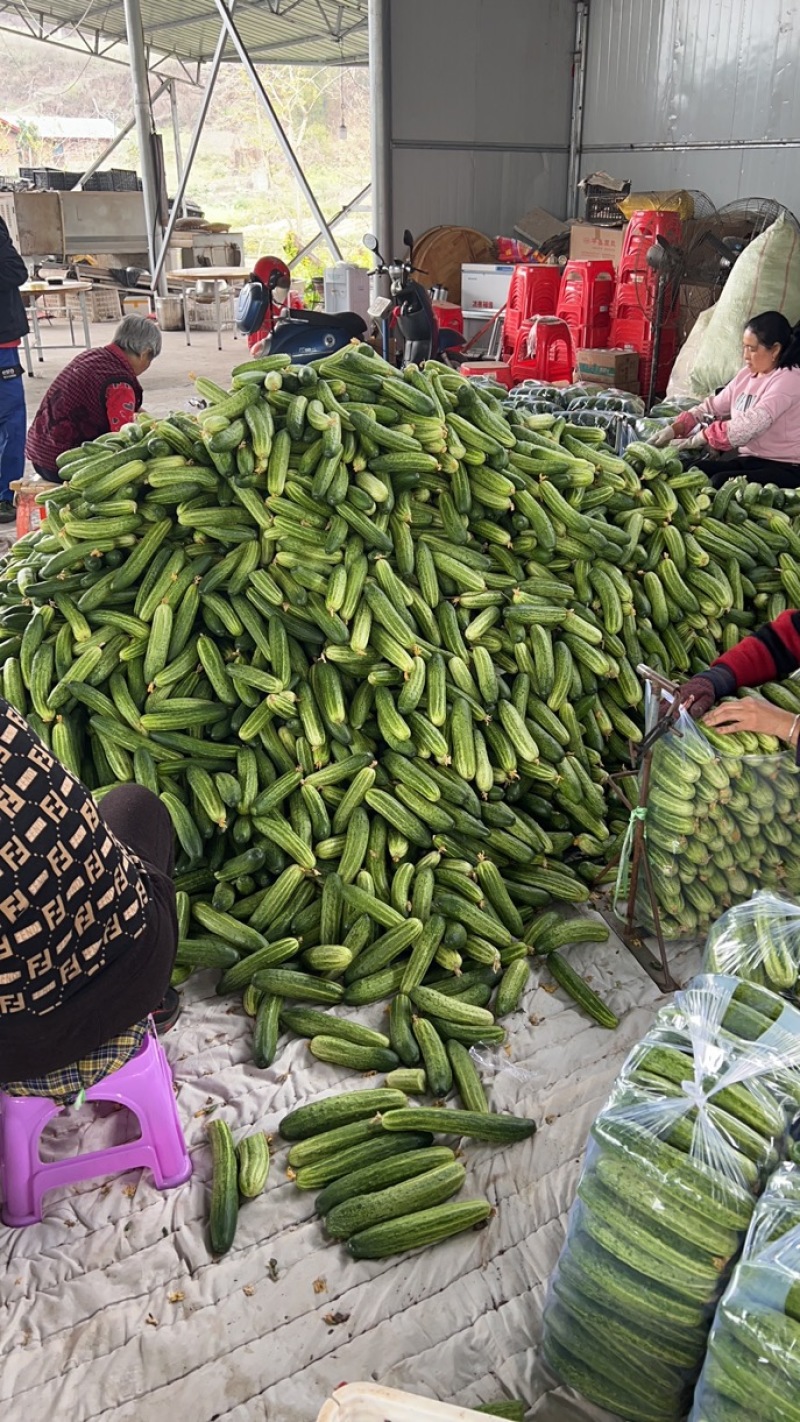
(758, 471)
(134, 983)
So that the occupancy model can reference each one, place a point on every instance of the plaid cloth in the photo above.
(68, 1084)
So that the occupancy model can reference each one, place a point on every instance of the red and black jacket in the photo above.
(75, 407)
(770, 654)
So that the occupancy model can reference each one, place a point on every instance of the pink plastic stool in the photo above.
(144, 1085)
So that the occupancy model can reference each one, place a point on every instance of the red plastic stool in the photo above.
(533, 291)
(543, 350)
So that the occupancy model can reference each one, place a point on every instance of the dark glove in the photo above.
(701, 692)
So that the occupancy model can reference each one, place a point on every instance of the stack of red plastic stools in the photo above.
(533, 292)
(634, 305)
(584, 302)
(543, 351)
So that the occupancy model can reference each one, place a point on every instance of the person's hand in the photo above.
(696, 696)
(257, 350)
(662, 437)
(695, 441)
(754, 714)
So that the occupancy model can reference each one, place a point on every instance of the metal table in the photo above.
(188, 277)
(35, 289)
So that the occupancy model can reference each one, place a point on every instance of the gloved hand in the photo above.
(695, 441)
(696, 696)
(662, 437)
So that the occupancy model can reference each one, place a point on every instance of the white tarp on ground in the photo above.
(113, 1308)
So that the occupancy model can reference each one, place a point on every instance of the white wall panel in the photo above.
(480, 110)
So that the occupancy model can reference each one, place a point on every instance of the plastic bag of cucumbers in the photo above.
(692, 1129)
(720, 822)
(758, 940)
(753, 1360)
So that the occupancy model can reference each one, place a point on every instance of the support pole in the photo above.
(288, 152)
(144, 129)
(334, 222)
(176, 138)
(177, 201)
(380, 81)
(578, 94)
(117, 139)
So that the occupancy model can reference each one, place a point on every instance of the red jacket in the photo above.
(770, 654)
(96, 392)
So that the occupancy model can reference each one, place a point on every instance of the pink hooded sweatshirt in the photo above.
(758, 415)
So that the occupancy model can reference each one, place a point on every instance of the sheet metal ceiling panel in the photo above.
(275, 31)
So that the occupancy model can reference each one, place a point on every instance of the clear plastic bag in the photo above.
(758, 940)
(752, 1367)
(719, 824)
(694, 1124)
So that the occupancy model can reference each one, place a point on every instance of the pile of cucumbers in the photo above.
(694, 1127)
(721, 816)
(385, 1188)
(753, 1359)
(372, 639)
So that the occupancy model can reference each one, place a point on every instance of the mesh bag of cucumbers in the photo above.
(696, 1122)
(758, 940)
(719, 824)
(752, 1367)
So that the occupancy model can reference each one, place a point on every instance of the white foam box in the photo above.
(484, 286)
(368, 1402)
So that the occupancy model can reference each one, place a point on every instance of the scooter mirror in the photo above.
(408, 240)
(370, 242)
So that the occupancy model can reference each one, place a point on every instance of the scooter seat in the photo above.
(347, 321)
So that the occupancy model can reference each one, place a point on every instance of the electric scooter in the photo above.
(412, 309)
(303, 335)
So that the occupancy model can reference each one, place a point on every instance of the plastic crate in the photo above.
(125, 180)
(202, 314)
(54, 179)
(102, 303)
(368, 1402)
(601, 205)
(99, 183)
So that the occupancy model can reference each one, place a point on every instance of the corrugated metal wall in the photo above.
(481, 93)
(705, 91)
(679, 93)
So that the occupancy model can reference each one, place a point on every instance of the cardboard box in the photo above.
(619, 369)
(538, 225)
(595, 244)
(484, 286)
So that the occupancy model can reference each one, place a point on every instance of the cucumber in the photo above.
(309, 1022)
(421, 1192)
(423, 1227)
(339, 1111)
(343, 1162)
(224, 1187)
(352, 1054)
(491, 1126)
(252, 1157)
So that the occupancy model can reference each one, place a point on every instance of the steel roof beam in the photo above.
(280, 134)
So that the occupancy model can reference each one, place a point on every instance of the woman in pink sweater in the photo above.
(752, 426)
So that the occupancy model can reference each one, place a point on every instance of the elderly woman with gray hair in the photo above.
(97, 392)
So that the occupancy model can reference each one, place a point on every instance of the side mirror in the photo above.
(370, 242)
(408, 240)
